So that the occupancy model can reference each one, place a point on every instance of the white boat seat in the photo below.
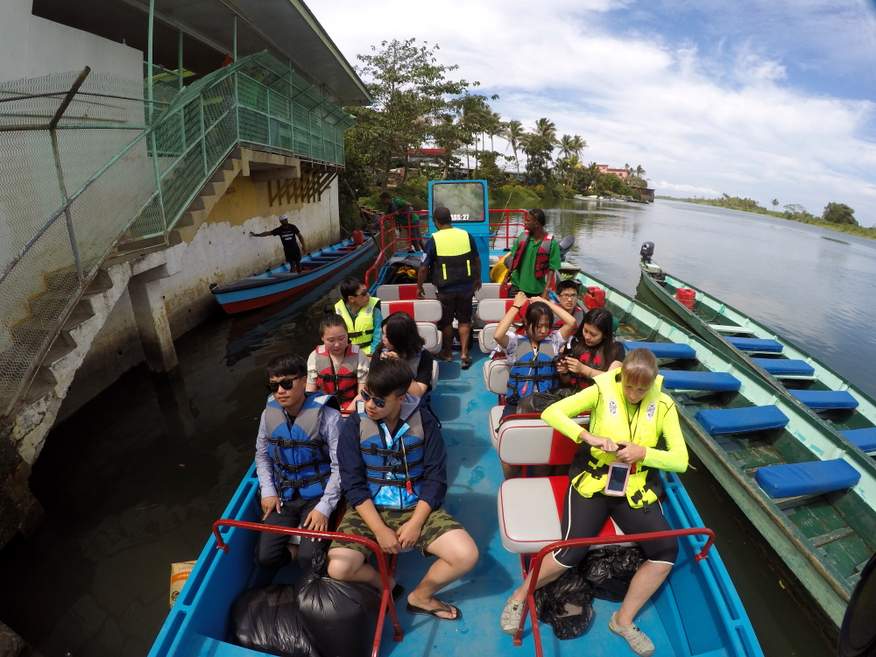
(403, 292)
(487, 338)
(431, 336)
(496, 376)
(493, 310)
(421, 310)
(732, 329)
(488, 291)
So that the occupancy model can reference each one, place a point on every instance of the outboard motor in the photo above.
(565, 244)
(652, 269)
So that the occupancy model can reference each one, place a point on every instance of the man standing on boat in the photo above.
(453, 263)
(287, 233)
(361, 313)
(535, 257)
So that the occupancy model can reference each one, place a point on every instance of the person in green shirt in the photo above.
(534, 258)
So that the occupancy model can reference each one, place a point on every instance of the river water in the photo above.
(132, 481)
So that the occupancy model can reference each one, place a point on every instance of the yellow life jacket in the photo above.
(610, 419)
(359, 330)
(453, 257)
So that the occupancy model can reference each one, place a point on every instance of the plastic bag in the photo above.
(609, 570)
(340, 616)
(566, 604)
(269, 620)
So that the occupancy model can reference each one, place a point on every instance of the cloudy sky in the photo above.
(769, 98)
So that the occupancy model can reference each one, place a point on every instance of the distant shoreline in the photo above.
(860, 231)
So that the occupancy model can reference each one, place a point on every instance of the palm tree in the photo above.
(640, 171)
(547, 130)
(513, 133)
(567, 146)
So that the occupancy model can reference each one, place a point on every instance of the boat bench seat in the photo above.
(808, 478)
(488, 291)
(531, 511)
(731, 328)
(403, 292)
(863, 439)
(421, 310)
(487, 337)
(431, 336)
(673, 350)
(826, 400)
(711, 381)
(756, 344)
(493, 309)
(785, 366)
(719, 421)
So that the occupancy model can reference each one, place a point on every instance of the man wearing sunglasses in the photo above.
(296, 460)
(392, 462)
(361, 313)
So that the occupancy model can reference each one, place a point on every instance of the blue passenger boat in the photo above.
(277, 284)
(697, 612)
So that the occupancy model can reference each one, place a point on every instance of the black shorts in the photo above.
(585, 516)
(292, 255)
(454, 305)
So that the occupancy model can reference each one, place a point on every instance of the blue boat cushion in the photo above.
(675, 350)
(787, 366)
(741, 420)
(864, 439)
(809, 478)
(714, 381)
(756, 344)
(826, 400)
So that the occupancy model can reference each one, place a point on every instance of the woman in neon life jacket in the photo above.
(594, 350)
(336, 367)
(400, 339)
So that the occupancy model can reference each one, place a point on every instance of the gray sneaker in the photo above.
(511, 614)
(638, 641)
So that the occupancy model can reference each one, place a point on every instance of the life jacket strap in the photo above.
(286, 442)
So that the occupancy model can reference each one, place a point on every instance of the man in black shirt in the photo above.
(287, 233)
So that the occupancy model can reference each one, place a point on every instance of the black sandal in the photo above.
(465, 362)
(444, 608)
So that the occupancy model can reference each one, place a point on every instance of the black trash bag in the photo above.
(268, 619)
(341, 616)
(609, 570)
(566, 604)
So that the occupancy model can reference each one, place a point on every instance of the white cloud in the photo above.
(691, 121)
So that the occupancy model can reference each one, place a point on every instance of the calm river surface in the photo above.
(132, 481)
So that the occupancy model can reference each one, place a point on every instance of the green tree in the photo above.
(839, 213)
(539, 147)
(411, 90)
(513, 132)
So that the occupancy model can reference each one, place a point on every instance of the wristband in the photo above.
(517, 307)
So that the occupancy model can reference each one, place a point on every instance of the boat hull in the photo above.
(270, 292)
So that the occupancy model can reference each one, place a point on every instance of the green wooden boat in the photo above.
(821, 520)
(823, 392)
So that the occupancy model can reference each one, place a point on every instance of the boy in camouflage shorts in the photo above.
(392, 462)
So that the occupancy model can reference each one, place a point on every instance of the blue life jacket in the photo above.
(531, 371)
(394, 464)
(299, 454)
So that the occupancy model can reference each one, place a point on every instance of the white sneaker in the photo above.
(638, 641)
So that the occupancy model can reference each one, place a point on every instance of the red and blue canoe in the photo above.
(278, 284)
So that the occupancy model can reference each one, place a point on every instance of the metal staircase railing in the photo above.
(140, 193)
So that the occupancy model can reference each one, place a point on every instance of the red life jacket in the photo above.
(342, 382)
(542, 257)
(594, 360)
(578, 314)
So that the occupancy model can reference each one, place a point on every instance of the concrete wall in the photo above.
(33, 46)
(217, 251)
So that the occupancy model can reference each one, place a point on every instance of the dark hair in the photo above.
(388, 376)
(538, 215)
(602, 320)
(568, 284)
(287, 365)
(385, 195)
(349, 287)
(536, 311)
(441, 216)
(329, 320)
(401, 331)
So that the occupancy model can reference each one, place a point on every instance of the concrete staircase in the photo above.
(210, 194)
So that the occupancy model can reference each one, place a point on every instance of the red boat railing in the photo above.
(386, 601)
(535, 567)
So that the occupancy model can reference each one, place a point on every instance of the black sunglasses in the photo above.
(286, 384)
(379, 402)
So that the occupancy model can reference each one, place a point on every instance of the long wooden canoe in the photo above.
(746, 432)
(833, 399)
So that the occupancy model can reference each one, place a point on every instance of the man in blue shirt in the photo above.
(393, 473)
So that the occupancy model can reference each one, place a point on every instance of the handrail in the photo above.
(386, 601)
(535, 566)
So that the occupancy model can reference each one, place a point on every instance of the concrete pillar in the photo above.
(150, 313)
